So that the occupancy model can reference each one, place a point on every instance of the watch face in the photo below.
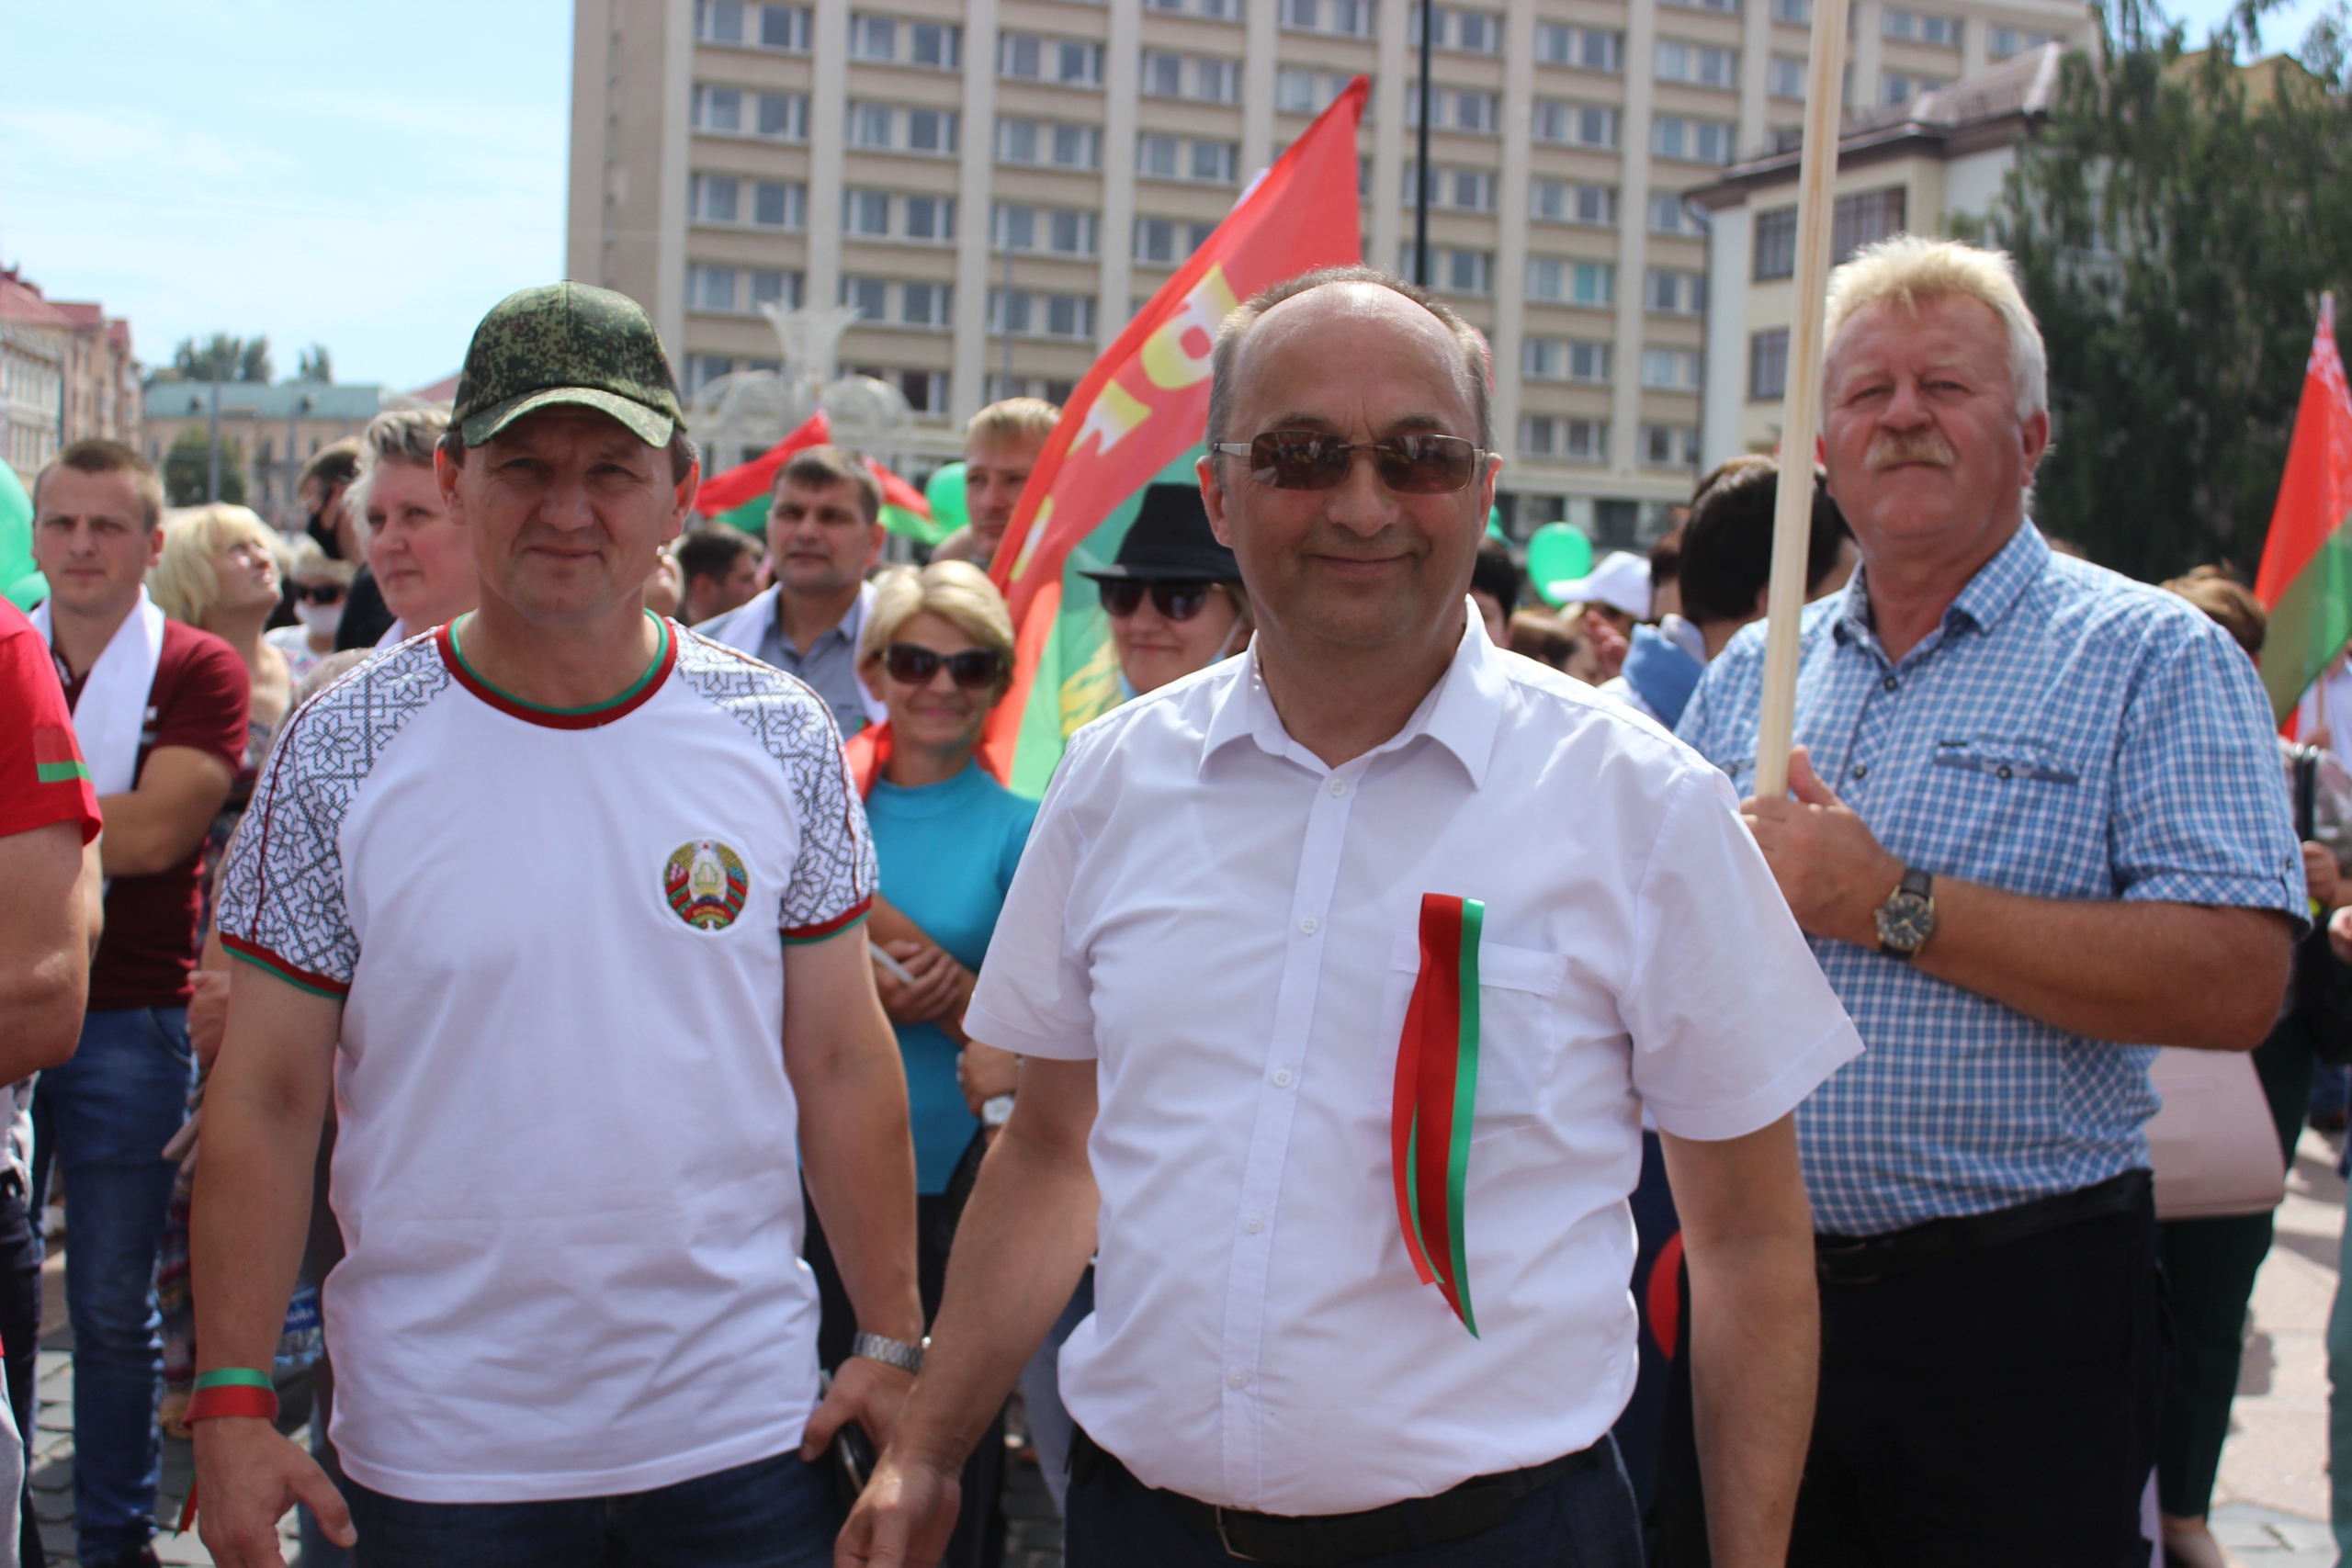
(1906, 921)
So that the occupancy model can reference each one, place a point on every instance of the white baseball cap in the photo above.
(1622, 582)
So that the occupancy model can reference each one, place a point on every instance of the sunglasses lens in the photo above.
(1121, 599)
(1297, 460)
(973, 668)
(1179, 600)
(909, 665)
(1426, 465)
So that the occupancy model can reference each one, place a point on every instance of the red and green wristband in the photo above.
(232, 1390)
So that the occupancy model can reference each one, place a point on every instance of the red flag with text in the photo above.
(1141, 409)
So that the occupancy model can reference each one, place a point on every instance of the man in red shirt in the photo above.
(49, 862)
(159, 710)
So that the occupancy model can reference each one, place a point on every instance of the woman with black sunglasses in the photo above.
(1173, 594)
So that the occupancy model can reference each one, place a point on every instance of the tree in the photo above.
(236, 358)
(188, 464)
(315, 365)
(2174, 226)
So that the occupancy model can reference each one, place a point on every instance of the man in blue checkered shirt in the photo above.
(2038, 829)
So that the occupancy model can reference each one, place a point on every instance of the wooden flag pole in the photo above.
(1800, 404)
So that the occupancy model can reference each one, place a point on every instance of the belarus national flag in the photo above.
(2306, 577)
(1138, 417)
(740, 496)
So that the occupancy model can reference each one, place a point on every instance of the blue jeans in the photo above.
(771, 1513)
(104, 1117)
(1585, 1520)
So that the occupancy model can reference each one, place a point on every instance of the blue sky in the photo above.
(368, 176)
(2282, 30)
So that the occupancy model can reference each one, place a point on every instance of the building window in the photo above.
(1670, 369)
(1572, 125)
(1669, 214)
(1215, 10)
(1670, 446)
(1767, 365)
(886, 41)
(1785, 78)
(772, 288)
(1665, 293)
(1693, 141)
(1051, 230)
(866, 213)
(1864, 219)
(1776, 243)
(702, 369)
(1453, 108)
(1452, 271)
(1468, 32)
(1460, 190)
(870, 296)
(1024, 314)
(753, 26)
(930, 218)
(1200, 77)
(1178, 158)
(1070, 62)
(1164, 241)
(1559, 201)
(1724, 8)
(1300, 91)
(1556, 280)
(886, 127)
(1797, 12)
(1350, 18)
(2002, 42)
(1896, 87)
(1585, 49)
(1564, 359)
(710, 288)
(1675, 60)
(1913, 27)
(926, 304)
(1046, 144)
(718, 111)
(1574, 440)
(779, 204)
(925, 391)
(763, 204)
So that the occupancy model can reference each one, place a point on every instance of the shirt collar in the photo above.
(1462, 713)
(1998, 585)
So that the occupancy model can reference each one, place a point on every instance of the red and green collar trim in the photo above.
(665, 656)
(253, 952)
(1437, 1098)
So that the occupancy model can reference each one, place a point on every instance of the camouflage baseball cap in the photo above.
(566, 343)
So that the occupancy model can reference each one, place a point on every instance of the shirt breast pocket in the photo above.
(1521, 1033)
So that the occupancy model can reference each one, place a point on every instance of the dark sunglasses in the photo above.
(1309, 460)
(1122, 596)
(319, 593)
(911, 664)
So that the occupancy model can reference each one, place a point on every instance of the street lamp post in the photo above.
(212, 466)
(1422, 163)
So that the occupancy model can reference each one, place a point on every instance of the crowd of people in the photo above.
(590, 958)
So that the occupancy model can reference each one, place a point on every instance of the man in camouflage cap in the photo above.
(563, 907)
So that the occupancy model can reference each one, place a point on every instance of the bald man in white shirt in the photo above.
(1340, 972)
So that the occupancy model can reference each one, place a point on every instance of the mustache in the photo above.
(1890, 448)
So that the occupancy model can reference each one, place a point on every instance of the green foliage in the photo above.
(2175, 225)
(236, 359)
(188, 463)
(316, 365)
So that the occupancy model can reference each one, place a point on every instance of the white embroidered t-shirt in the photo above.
(567, 1167)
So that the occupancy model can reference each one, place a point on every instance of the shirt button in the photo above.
(1338, 786)
(1281, 1078)
(1861, 770)
(2002, 771)
(1890, 683)
(1238, 1376)
(1254, 1223)
(1310, 925)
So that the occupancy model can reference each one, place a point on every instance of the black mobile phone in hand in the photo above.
(852, 1461)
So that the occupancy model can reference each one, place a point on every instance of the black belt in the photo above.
(1329, 1540)
(1866, 1260)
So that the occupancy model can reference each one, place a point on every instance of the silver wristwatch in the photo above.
(1907, 918)
(890, 1352)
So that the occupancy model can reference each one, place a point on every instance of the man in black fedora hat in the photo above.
(1173, 594)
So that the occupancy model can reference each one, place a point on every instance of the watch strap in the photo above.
(890, 1352)
(1923, 883)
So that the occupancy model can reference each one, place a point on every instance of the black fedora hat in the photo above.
(1170, 541)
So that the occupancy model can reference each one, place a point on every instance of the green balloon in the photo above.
(945, 490)
(1494, 524)
(1555, 553)
(20, 580)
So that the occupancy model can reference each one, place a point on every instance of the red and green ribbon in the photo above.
(1437, 1097)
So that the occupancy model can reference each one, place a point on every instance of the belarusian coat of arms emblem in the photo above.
(706, 884)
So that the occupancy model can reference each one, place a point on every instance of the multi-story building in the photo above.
(268, 433)
(1912, 168)
(67, 372)
(996, 184)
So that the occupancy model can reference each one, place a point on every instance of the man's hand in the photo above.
(2339, 934)
(867, 1392)
(936, 989)
(984, 1072)
(903, 1519)
(2320, 874)
(1831, 869)
(246, 1477)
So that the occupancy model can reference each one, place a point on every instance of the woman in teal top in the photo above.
(937, 650)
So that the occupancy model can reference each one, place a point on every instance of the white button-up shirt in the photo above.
(1229, 929)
